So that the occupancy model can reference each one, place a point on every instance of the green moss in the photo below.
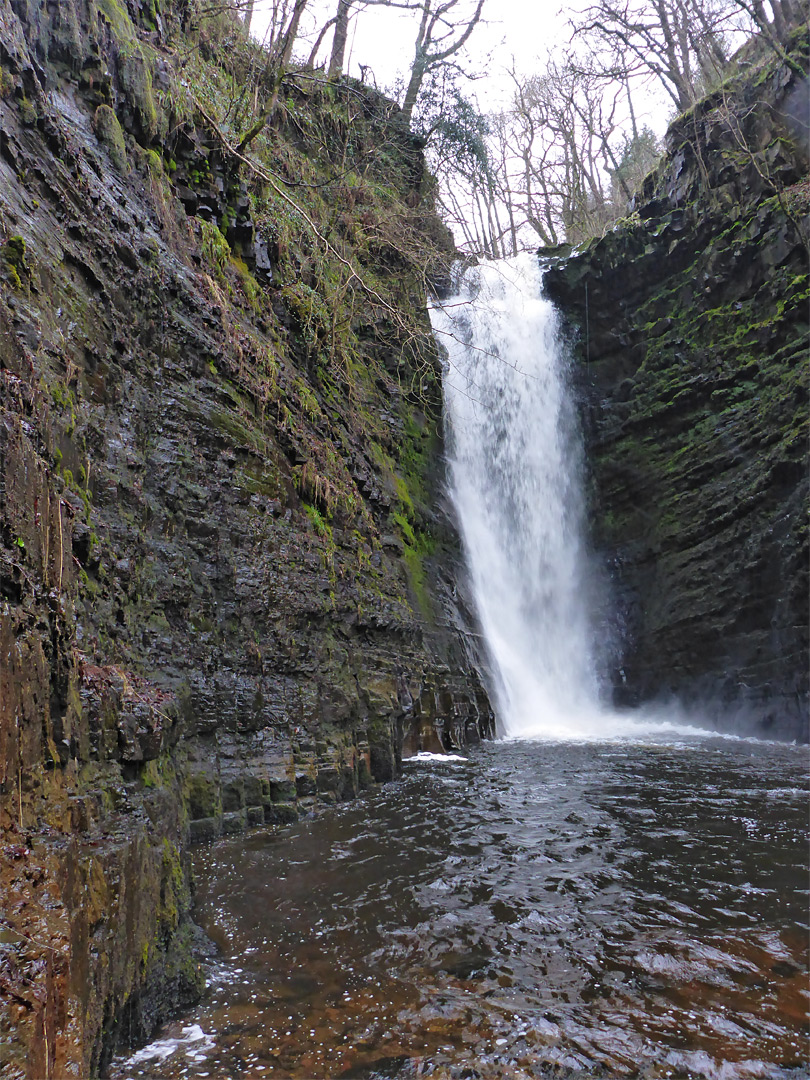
(28, 112)
(109, 132)
(215, 248)
(154, 164)
(418, 581)
(309, 403)
(157, 772)
(405, 528)
(202, 796)
(239, 430)
(150, 13)
(266, 484)
(6, 82)
(249, 284)
(404, 496)
(136, 80)
(173, 889)
(12, 260)
(135, 65)
(117, 16)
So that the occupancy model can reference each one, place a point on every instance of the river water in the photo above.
(607, 908)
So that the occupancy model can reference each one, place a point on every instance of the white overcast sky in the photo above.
(511, 31)
(384, 40)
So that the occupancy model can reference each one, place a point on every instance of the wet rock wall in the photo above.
(225, 570)
(692, 324)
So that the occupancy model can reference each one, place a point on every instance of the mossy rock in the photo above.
(136, 80)
(117, 16)
(6, 83)
(215, 248)
(109, 132)
(28, 112)
(203, 797)
(12, 261)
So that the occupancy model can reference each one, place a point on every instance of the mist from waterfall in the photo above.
(516, 481)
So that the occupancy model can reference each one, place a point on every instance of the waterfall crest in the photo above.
(515, 478)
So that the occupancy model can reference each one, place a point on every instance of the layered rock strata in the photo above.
(692, 321)
(225, 571)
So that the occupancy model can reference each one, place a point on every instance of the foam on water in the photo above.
(192, 1042)
(424, 757)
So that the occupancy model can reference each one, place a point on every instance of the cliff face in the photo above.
(224, 566)
(693, 342)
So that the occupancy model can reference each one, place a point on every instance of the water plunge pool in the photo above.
(606, 908)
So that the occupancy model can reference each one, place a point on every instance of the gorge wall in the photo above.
(225, 570)
(692, 320)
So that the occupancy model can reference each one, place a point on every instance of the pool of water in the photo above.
(619, 909)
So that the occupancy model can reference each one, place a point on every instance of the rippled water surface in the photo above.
(608, 909)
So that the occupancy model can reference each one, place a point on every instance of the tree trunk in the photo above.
(291, 32)
(339, 40)
(414, 86)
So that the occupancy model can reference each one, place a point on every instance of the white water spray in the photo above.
(515, 479)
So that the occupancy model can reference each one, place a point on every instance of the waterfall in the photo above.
(515, 481)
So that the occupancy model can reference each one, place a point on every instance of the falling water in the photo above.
(515, 483)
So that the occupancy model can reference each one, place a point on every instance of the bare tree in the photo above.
(339, 38)
(776, 28)
(280, 38)
(340, 21)
(785, 16)
(564, 160)
(682, 43)
(444, 29)
(282, 23)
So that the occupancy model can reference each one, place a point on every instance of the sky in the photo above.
(384, 40)
(512, 32)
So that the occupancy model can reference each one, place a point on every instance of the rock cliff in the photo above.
(225, 567)
(692, 320)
